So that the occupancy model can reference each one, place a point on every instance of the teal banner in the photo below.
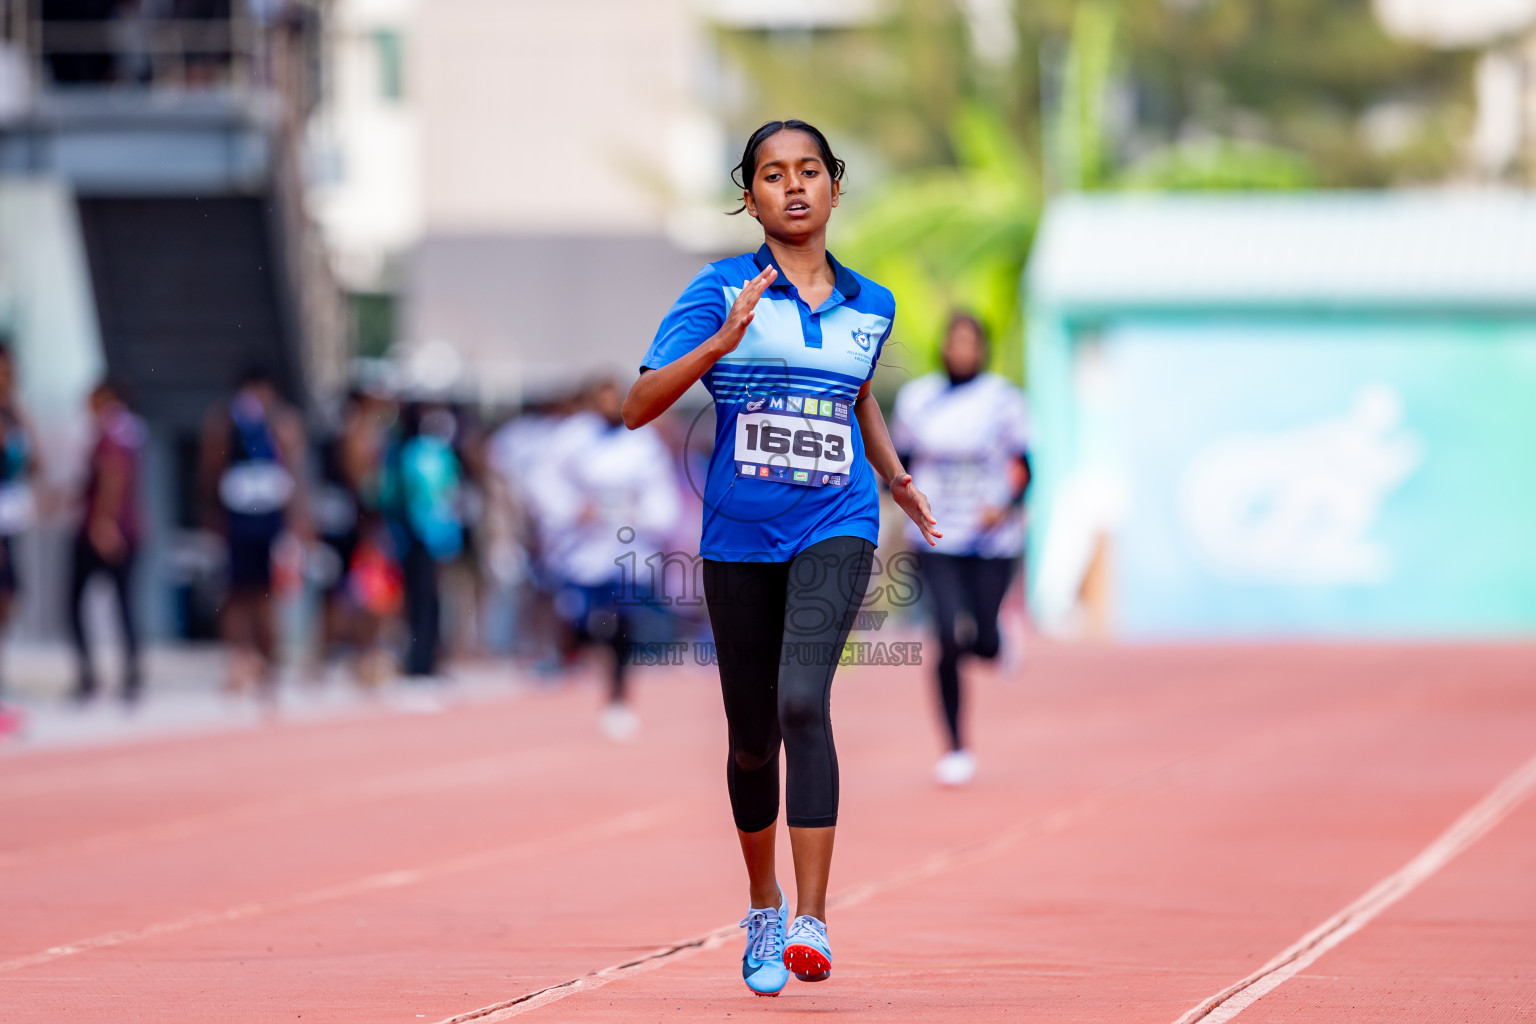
(1345, 477)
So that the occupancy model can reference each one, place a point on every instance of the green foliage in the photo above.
(1298, 75)
(950, 238)
(895, 86)
(1080, 130)
(1100, 94)
(372, 322)
(1217, 165)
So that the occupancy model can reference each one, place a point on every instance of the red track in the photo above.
(1148, 828)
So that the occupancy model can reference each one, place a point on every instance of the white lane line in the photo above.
(623, 824)
(1468, 829)
(481, 771)
(516, 1007)
(940, 863)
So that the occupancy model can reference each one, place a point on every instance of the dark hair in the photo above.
(742, 173)
(959, 317)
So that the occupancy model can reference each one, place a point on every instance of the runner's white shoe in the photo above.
(762, 965)
(619, 723)
(955, 768)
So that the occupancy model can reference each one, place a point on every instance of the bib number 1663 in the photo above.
(785, 448)
(808, 444)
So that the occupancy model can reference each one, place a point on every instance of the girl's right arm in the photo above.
(656, 390)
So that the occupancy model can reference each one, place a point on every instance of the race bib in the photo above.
(17, 509)
(794, 439)
(255, 488)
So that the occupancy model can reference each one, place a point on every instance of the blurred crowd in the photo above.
(398, 532)
(417, 529)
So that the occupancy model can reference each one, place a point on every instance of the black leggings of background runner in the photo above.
(86, 564)
(955, 583)
(779, 629)
(423, 609)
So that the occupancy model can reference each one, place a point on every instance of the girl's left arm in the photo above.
(882, 456)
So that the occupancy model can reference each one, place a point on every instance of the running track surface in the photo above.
(1148, 828)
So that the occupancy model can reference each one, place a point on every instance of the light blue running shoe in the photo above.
(762, 965)
(807, 952)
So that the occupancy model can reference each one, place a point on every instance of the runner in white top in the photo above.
(519, 452)
(609, 492)
(963, 434)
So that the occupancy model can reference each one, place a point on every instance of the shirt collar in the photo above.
(843, 280)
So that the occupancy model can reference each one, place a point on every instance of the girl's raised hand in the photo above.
(743, 309)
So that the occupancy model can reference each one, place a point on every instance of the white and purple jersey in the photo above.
(604, 483)
(962, 440)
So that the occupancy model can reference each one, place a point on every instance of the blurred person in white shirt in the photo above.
(606, 493)
(518, 454)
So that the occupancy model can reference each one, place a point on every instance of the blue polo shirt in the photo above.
(793, 353)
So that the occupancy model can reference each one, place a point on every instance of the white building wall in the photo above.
(366, 143)
(552, 117)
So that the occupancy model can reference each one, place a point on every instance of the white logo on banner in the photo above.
(1299, 506)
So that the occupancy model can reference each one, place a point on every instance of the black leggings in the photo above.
(87, 563)
(423, 609)
(975, 585)
(779, 630)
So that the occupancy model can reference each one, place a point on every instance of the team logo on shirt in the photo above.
(861, 337)
(755, 404)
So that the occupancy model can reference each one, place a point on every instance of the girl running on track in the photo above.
(786, 340)
(963, 432)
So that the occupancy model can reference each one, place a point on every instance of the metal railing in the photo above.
(139, 49)
(274, 61)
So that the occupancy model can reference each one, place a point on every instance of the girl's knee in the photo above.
(750, 761)
(799, 712)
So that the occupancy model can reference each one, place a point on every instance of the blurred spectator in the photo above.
(610, 502)
(519, 455)
(420, 495)
(463, 577)
(252, 454)
(19, 467)
(345, 510)
(108, 538)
